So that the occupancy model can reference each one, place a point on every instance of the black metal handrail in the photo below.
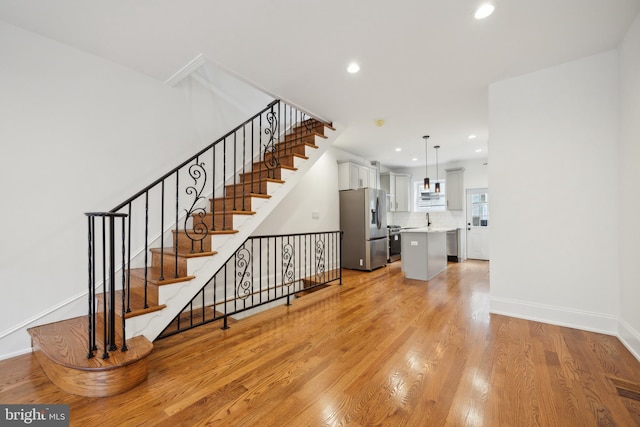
(264, 269)
(174, 214)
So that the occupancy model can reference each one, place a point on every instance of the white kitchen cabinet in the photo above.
(403, 193)
(352, 176)
(373, 178)
(455, 189)
(398, 191)
(388, 184)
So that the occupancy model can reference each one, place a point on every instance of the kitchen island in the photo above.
(424, 252)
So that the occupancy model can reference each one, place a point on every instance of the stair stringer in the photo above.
(177, 296)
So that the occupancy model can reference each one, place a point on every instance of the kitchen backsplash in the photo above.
(450, 219)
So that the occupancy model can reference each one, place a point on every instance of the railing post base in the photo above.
(225, 325)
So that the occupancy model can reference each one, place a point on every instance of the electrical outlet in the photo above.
(361, 263)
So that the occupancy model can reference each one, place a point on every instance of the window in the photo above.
(480, 210)
(429, 200)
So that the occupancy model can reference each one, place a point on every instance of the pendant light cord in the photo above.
(437, 173)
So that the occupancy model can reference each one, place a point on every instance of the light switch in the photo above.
(414, 243)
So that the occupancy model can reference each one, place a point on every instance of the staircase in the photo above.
(133, 299)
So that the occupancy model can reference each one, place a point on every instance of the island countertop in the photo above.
(426, 230)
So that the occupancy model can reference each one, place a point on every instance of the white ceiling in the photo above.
(425, 64)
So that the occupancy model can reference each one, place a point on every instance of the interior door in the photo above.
(478, 223)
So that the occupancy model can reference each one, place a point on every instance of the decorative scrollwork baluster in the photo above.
(270, 157)
(288, 271)
(200, 230)
(243, 275)
(320, 267)
(309, 124)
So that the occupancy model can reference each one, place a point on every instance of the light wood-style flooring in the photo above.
(378, 350)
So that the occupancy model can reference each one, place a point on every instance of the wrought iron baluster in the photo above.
(260, 268)
(213, 189)
(146, 247)
(271, 160)
(129, 259)
(204, 307)
(243, 276)
(162, 231)
(244, 159)
(124, 283)
(175, 241)
(224, 176)
(200, 230)
(235, 157)
(320, 267)
(91, 317)
(105, 355)
(112, 285)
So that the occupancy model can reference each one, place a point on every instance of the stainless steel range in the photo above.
(393, 251)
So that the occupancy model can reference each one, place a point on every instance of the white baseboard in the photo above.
(630, 338)
(561, 316)
(15, 353)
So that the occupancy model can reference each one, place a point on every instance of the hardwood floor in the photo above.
(379, 350)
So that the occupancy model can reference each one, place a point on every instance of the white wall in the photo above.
(78, 134)
(629, 174)
(554, 194)
(219, 102)
(317, 191)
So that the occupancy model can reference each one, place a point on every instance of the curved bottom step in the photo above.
(63, 359)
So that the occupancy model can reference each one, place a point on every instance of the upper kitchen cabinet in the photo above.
(352, 176)
(398, 191)
(455, 189)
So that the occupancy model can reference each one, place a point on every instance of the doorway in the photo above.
(478, 223)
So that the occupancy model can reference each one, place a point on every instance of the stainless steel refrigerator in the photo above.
(363, 219)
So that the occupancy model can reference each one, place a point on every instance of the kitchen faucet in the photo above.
(428, 220)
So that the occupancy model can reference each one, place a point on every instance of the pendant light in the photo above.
(426, 175)
(437, 175)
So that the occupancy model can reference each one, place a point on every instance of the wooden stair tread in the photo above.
(233, 212)
(260, 180)
(140, 311)
(136, 304)
(210, 232)
(240, 196)
(277, 181)
(296, 136)
(170, 251)
(153, 276)
(223, 232)
(65, 343)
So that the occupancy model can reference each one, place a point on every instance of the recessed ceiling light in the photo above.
(398, 149)
(353, 68)
(484, 11)
(478, 150)
(471, 136)
(414, 159)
